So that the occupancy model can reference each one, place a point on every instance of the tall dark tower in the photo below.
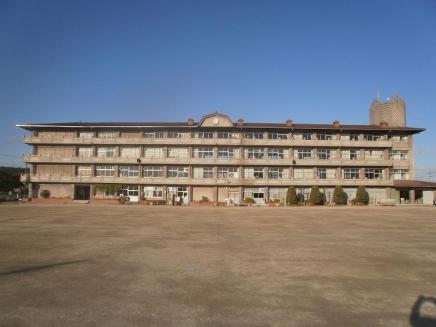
(392, 112)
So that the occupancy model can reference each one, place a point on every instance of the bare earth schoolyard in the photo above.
(91, 265)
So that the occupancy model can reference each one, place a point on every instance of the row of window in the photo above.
(250, 135)
(231, 153)
(234, 172)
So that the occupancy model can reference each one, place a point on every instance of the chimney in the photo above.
(240, 122)
(289, 123)
(384, 124)
(336, 123)
(190, 121)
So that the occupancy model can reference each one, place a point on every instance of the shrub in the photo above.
(122, 199)
(204, 199)
(315, 196)
(339, 196)
(291, 196)
(45, 194)
(249, 201)
(362, 196)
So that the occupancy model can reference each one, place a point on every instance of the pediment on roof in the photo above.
(215, 120)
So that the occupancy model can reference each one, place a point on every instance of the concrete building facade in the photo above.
(220, 160)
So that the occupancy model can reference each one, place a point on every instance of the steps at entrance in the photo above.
(81, 201)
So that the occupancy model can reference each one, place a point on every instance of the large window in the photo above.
(86, 135)
(399, 174)
(130, 152)
(150, 134)
(204, 153)
(153, 153)
(129, 171)
(203, 172)
(277, 135)
(373, 154)
(399, 138)
(227, 135)
(349, 154)
(228, 172)
(350, 137)
(275, 172)
(178, 172)
(399, 155)
(326, 173)
(255, 172)
(323, 154)
(226, 153)
(275, 154)
(324, 136)
(373, 173)
(153, 192)
(256, 135)
(106, 152)
(351, 173)
(303, 173)
(86, 152)
(152, 171)
(178, 135)
(84, 171)
(303, 154)
(202, 135)
(108, 134)
(178, 153)
(254, 153)
(104, 170)
(372, 137)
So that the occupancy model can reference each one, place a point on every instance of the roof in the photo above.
(414, 184)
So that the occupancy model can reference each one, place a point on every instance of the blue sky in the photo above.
(311, 61)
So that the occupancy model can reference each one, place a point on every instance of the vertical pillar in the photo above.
(215, 194)
(412, 196)
(30, 190)
(190, 194)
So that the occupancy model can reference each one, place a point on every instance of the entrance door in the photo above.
(82, 192)
(133, 193)
(234, 198)
(178, 195)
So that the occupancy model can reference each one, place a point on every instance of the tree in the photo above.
(362, 196)
(291, 196)
(339, 196)
(315, 196)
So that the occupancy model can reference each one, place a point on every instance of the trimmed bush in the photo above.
(339, 196)
(249, 201)
(362, 196)
(315, 196)
(204, 199)
(291, 196)
(45, 194)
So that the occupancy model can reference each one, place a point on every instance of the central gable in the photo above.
(215, 120)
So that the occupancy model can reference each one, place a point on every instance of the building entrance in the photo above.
(82, 192)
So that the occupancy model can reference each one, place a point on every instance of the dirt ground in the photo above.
(113, 265)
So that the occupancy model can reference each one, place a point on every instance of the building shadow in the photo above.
(40, 267)
(416, 319)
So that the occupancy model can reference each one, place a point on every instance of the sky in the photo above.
(310, 61)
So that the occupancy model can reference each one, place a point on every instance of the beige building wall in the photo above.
(58, 190)
(56, 151)
(55, 170)
(57, 134)
(199, 192)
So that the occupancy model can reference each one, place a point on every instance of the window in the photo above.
(130, 152)
(351, 173)
(277, 135)
(86, 152)
(105, 152)
(322, 173)
(203, 172)
(150, 134)
(153, 152)
(152, 171)
(275, 154)
(306, 136)
(129, 171)
(399, 174)
(304, 154)
(373, 173)
(373, 154)
(256, 173)
(254, 153)
(106, 134)
(227, 135)
(398, 155)
(178, 172)
(178, 153)
(350, 137)
(177, 135)
(202, 135)
(104, 171)
(205, 153)
(324, 136)
(86, 135)
(349, 154)
(275, 173)
(153, 192)
(84, 171)
(372, 137)
(253, 135)
(226, 153)
(228, 172)
(323, 154)
(303, 173)
(399, 138)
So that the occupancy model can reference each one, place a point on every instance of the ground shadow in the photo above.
(40, 267)
(415, 319)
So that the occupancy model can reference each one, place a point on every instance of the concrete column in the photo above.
(30, 190)
(266, 194)
(362, 173)
(362, 154)
(338, 173)
(215, 194)
(412, 196)
(291, 172)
